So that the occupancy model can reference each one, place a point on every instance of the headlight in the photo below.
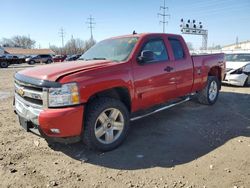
(66, 95)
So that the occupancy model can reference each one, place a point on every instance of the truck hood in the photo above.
(234, 65)
(54, 71)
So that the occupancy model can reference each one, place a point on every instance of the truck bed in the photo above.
(203, 64)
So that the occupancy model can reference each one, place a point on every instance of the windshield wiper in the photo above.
(94, 58)
(99, 58)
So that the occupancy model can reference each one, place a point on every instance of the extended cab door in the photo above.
(154, 81)
(183, 65)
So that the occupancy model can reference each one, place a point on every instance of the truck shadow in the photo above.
(175, 136)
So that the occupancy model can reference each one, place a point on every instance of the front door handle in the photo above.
(168, 69)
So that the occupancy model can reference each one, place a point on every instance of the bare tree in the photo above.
(74, 46)
(18, 41)
(7, 42)
(88, 44)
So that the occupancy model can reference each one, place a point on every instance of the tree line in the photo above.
(72, 46)
(18, 42)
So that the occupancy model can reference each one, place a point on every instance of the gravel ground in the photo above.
(190, 145)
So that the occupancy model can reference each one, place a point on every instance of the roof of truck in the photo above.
(143, 34)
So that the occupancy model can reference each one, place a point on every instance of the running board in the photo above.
(160, 109)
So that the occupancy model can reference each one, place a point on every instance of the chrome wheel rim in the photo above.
(213, 89)
(109, 126)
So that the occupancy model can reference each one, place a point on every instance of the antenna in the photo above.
(164, 15)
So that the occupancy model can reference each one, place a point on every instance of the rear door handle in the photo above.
(168, 69)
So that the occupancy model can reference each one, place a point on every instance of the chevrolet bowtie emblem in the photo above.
(20, 91)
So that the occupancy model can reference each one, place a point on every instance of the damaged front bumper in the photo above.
(235, 77)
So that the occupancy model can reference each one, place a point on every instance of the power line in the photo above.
(164, 15)
(91, 24)
(62, 34)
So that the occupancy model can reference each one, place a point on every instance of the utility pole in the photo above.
(61, 34)
(164, 15)
(91, 24)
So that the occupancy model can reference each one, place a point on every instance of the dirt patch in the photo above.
(190, 145)
(4, 94)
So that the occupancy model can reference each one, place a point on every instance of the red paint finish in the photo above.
(67, 120)
(59, 58)
(147, 84)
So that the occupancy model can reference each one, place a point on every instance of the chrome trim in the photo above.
(160, 109)
(29, 93)
(27, 103)
(29, 112)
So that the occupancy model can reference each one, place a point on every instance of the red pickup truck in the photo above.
(119, 80)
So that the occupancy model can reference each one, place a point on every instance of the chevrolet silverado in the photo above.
(118, 80)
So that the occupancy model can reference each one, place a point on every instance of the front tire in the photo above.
(106, 124)
(209, 94)
(4, 64)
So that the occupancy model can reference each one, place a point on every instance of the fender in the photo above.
(92, 82)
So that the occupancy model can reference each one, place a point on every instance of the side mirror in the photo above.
(146, 56)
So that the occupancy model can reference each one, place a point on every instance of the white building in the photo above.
(238, 46)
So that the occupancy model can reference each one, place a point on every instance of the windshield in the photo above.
(112, 49)
(237, 57)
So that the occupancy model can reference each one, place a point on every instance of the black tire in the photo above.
(31, 62)
(93, 112)
(247, 82)
(4, 64)
(49, 61)
(203, 95)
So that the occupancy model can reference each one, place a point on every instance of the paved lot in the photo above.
(190, 145)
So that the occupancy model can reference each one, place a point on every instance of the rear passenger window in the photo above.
(177, 49)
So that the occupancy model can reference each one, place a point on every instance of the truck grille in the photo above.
(29, 93)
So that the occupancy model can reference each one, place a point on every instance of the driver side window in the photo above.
(158, 48)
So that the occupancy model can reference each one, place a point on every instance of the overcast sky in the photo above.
(41, 20)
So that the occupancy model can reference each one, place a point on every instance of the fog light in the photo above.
(57, 131)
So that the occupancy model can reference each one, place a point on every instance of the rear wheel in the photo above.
(4, 64)
(32, 62)
(49, 61)
(210, 93)
(106, 124)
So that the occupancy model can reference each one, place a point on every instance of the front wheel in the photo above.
(210, 93)
(106, 124)
(4, 64)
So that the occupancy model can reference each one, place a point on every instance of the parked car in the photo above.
(237, 69)
(59, 58)
(6, 60)
(43, 58)
(119, 80)
(72, 57)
